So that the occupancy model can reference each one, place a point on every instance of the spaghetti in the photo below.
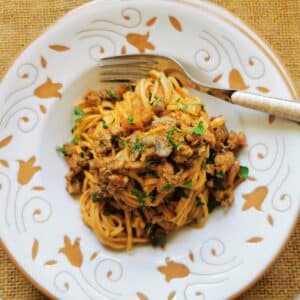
(146, 160)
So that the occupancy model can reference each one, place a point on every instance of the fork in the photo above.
(129, 68)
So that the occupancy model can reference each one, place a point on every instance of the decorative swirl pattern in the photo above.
(28, 72)
(62, 283)
(284, 202)
(108, 266)
(7, 196)
(131, 15)
(27, 119)
(212, 250)
(95, 51)
(38, 214)
(259, 152)
(255, 68)
(208, 57)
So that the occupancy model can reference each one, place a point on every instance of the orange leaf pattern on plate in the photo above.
(59, 48)
(43, 62)
(108, 274)
(263, 89)
(141, 296)
(4, 163)
(191, 256)
(48, 89)
(175, 23)
(50, 263)
(172, 295)
(37, 212)
(94, 255)
(217, 78)
(66, 285)
(43, 109)
(213, 252)
(27, 170)
(260, 155)
(35, 249)
(72, 251)
(6, 141)
(255, 239)
(140, 41)
(151, 21)
(270, 220)
(38, 188)
(123, 50)
(25, 76)
(25, 119)
(271, 119)
(256, 198)
(173, 270)
(236, 80)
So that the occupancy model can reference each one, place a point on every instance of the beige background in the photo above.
(277, 21)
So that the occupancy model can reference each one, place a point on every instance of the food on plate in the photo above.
(146, 160)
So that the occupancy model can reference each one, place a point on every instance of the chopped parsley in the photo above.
(96, 198)
(107, 212)
(130, 120)
(199, 130)
(60, 150)
(199, 202)
(73, 128)
(101, 143)
(181, 106)
(212, 203)
(123, 142)
(219, 175)
(189, 184)
(153, 162)
(104, 124)
(81, 154)
(77, 114)
(75, 140)
(244, 172)
(170, 138)
(112, 94)
(138, 146)
(140, 196)
(166, 187)
(155, 101)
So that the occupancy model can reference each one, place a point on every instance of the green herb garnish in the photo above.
(81, 154)
(130, 120)
(244, 172)
(212, 203)
(104, 124)
(183, 106)
(138, 146)
(60, 150)
(96, 198)
(77, 114)
(112, 94)
(166, 187)
(140, 196)
(73, 128)
(101, 143)
(123, 142)
(170, 139)
(155, 101)
(75, 140)
(219, 175)
(107, 212)
(199, 130)
(153, 162)
(189, 184)
(199, 202)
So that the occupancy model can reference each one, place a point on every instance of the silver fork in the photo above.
(128, 68)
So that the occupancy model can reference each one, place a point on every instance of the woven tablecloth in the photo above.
(277, 21)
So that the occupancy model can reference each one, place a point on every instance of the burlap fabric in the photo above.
(277, 21)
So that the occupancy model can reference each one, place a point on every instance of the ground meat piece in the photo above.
(160, 142)
(221, 135)
(118, 180)
(233, 173)
(182, 154)
(236, 141)
(158, 236)
(225, 197)
(74, 183)
(167, 122)
(224, 161)
(92, 99)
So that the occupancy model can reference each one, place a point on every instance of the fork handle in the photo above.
(278, 107)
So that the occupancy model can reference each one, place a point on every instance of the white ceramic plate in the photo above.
(41, 226)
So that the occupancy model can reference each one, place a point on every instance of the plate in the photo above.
(41, 227)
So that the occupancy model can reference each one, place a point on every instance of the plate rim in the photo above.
(269, 51)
